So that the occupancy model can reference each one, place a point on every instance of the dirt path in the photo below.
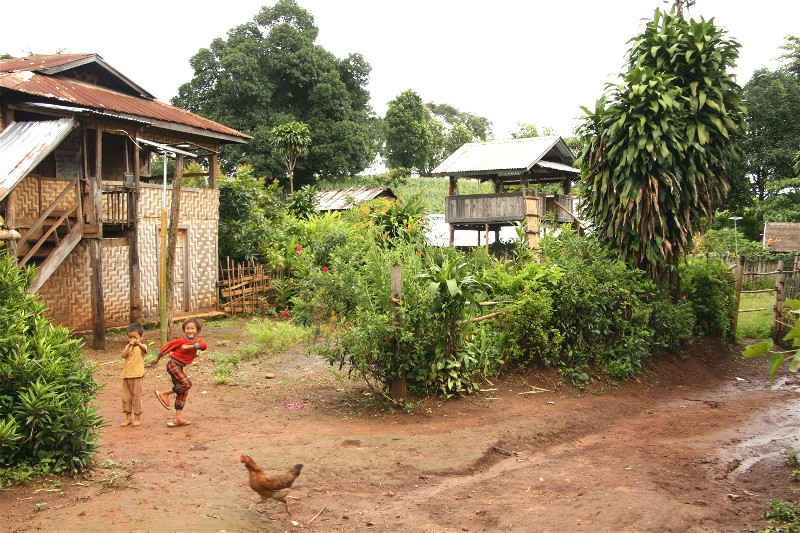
(690, 448)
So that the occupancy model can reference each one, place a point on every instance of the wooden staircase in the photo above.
(50, 239)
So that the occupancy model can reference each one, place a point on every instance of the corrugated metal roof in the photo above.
(96, 97)
(558, 166)
(39, 62)
(23, 145)
(507, 157)
(337, 200)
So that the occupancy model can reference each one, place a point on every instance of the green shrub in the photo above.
(709, 287)
(672, 324)
(47, 421)
(785, 514)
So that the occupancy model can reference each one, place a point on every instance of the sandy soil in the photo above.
(694, 446)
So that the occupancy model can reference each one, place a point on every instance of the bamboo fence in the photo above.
(246, 287)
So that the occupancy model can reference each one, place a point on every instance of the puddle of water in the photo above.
(775, 430)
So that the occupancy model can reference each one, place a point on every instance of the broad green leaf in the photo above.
(795, 363)
(758, 349)
(776, 360)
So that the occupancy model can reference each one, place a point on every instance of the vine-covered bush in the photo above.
(47, 422)
(709, 287)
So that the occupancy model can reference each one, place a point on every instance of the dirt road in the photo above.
(693, 447)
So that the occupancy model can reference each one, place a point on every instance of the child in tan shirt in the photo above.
(132, 375)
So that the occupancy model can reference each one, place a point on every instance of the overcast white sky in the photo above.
(511, 61)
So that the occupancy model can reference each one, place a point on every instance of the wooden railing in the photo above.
(507, 207)
(116, 200)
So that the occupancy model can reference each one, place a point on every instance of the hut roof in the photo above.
(86, 80)
(543, 156)
(341, 199)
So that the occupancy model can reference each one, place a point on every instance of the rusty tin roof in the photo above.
(23, 145)
(34, 75)
(337, 200)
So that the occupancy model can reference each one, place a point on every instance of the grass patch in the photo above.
(270, 338)
(275, 337)
(786, 515)
(756, 325)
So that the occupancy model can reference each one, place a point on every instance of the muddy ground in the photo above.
(693, 446)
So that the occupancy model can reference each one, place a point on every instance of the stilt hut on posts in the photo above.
(76, 139)
(518, 164)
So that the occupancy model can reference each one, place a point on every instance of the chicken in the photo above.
(271, 486)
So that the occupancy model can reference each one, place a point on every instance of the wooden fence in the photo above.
(246, 287)
(767, 277)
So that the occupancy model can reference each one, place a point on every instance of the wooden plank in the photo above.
(54, 260)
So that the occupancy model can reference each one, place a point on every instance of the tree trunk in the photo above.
(172, 239)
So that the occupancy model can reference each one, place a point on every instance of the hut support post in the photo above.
(172, 237)
(778, 311)
(453, 192)
(96, 244)
(398, 388)
(739, 282)
(486, 228)
(213, 164)
(11, 223)
(133, 242)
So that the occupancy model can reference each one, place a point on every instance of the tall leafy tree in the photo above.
(291, 140)
(480, 127)
(408, 131)
(270, 71)
(773, 129)
(658, 146)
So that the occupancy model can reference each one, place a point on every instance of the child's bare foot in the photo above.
(137, 421)
(178, 422)
(126, 423)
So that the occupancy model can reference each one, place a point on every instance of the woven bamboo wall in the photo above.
(27, 194)
(67, 293)
(199, 216)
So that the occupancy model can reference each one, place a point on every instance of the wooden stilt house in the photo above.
(521, 164)
(76, 138)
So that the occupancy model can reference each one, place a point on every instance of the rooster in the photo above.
(274, 486)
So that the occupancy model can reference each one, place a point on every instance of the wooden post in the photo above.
(778, 311)
(739, 281)
(486, 226)
(399, 388)
(96, 245)
(453, 192)
(212, 171)
(11, 222)
(135, 276)
(172, 238)
(523, 185)
(6, 116)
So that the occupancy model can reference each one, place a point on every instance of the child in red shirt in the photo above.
(181, 352)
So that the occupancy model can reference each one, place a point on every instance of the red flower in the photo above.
(298, 249)
(285, 314)
(324, 269)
